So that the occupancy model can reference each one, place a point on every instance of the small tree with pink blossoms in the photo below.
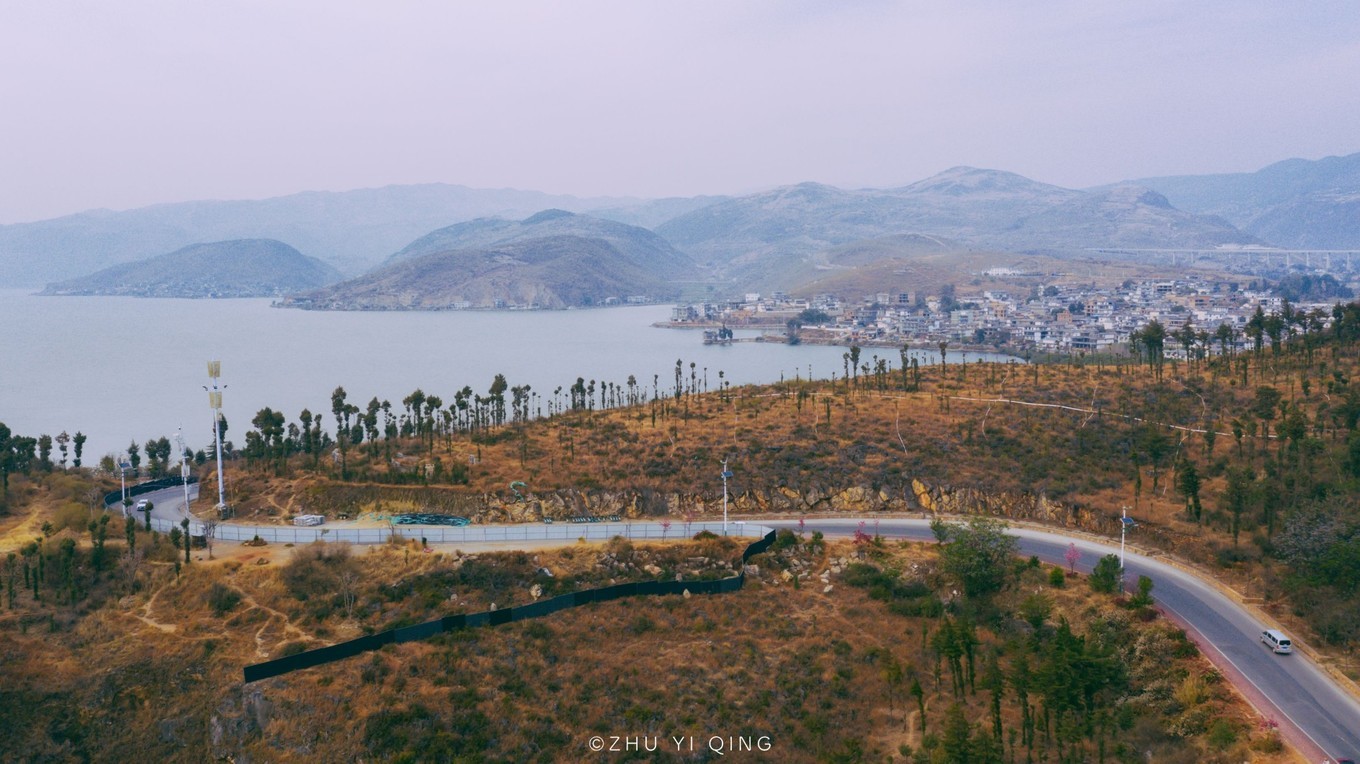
(1072, 556)
(665, 528)
(862, 539)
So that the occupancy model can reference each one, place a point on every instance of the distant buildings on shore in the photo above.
(1057, 318)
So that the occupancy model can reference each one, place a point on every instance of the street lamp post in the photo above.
(725, 475)
(1125, 523)
(183, 468)
(215, 401)
(122, 481)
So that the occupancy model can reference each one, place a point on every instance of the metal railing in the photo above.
(445, 534)
(481, 534)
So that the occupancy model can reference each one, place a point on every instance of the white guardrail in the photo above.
(468, 534)
(481, 534)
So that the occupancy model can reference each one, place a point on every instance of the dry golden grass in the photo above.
(155, 672)
(146, 671)
(967, 433)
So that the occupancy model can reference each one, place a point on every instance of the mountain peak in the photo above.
(546, 216)
(805, 191)
(233, 268)
(972, 181)
(1132, 193)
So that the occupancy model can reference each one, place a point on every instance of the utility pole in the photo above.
(215, 402)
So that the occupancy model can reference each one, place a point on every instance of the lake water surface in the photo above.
(124, 368)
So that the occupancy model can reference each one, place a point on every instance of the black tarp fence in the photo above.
(353, 647)
(116, 497)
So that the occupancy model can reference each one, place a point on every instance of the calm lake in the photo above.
(122, 368)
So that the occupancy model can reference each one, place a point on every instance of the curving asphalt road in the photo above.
(1290, 688)
(1316, 714)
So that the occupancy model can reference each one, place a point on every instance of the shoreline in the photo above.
(926, 346)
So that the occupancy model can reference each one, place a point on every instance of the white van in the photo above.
(1276, 641)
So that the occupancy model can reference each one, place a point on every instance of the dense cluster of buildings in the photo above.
(1057, 318)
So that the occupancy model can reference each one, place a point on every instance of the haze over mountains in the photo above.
(770, 239)
(751, 239)
(236, 268)
(554, 259)
(351, 230)
(1295, 203)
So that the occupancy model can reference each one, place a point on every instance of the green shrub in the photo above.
(1105, 577)
(222, 598)
(1035, 609)
(291, 648)
(641, 624)
(1222, 733)
(315, 570)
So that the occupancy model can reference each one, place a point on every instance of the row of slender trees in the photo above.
(423, 419)
(1281, 328)
(1066, 692)
(23, 455)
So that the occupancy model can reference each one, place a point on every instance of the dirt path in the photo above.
(148, 618)
(281, 618)
(274, 619)
(21, 533)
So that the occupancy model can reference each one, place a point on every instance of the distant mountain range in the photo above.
(780, 238)
(351, 230)
(554, 259)
(237, 268)
(1295, 203)
(752, 239)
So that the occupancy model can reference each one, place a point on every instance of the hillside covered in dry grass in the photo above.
(833, 652)
(1247, 462)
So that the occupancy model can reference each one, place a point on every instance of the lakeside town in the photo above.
(1200, 314)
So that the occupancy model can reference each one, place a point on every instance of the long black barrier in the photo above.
(158, 484)
(353, 647)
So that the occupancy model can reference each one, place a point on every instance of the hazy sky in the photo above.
(123, 104)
